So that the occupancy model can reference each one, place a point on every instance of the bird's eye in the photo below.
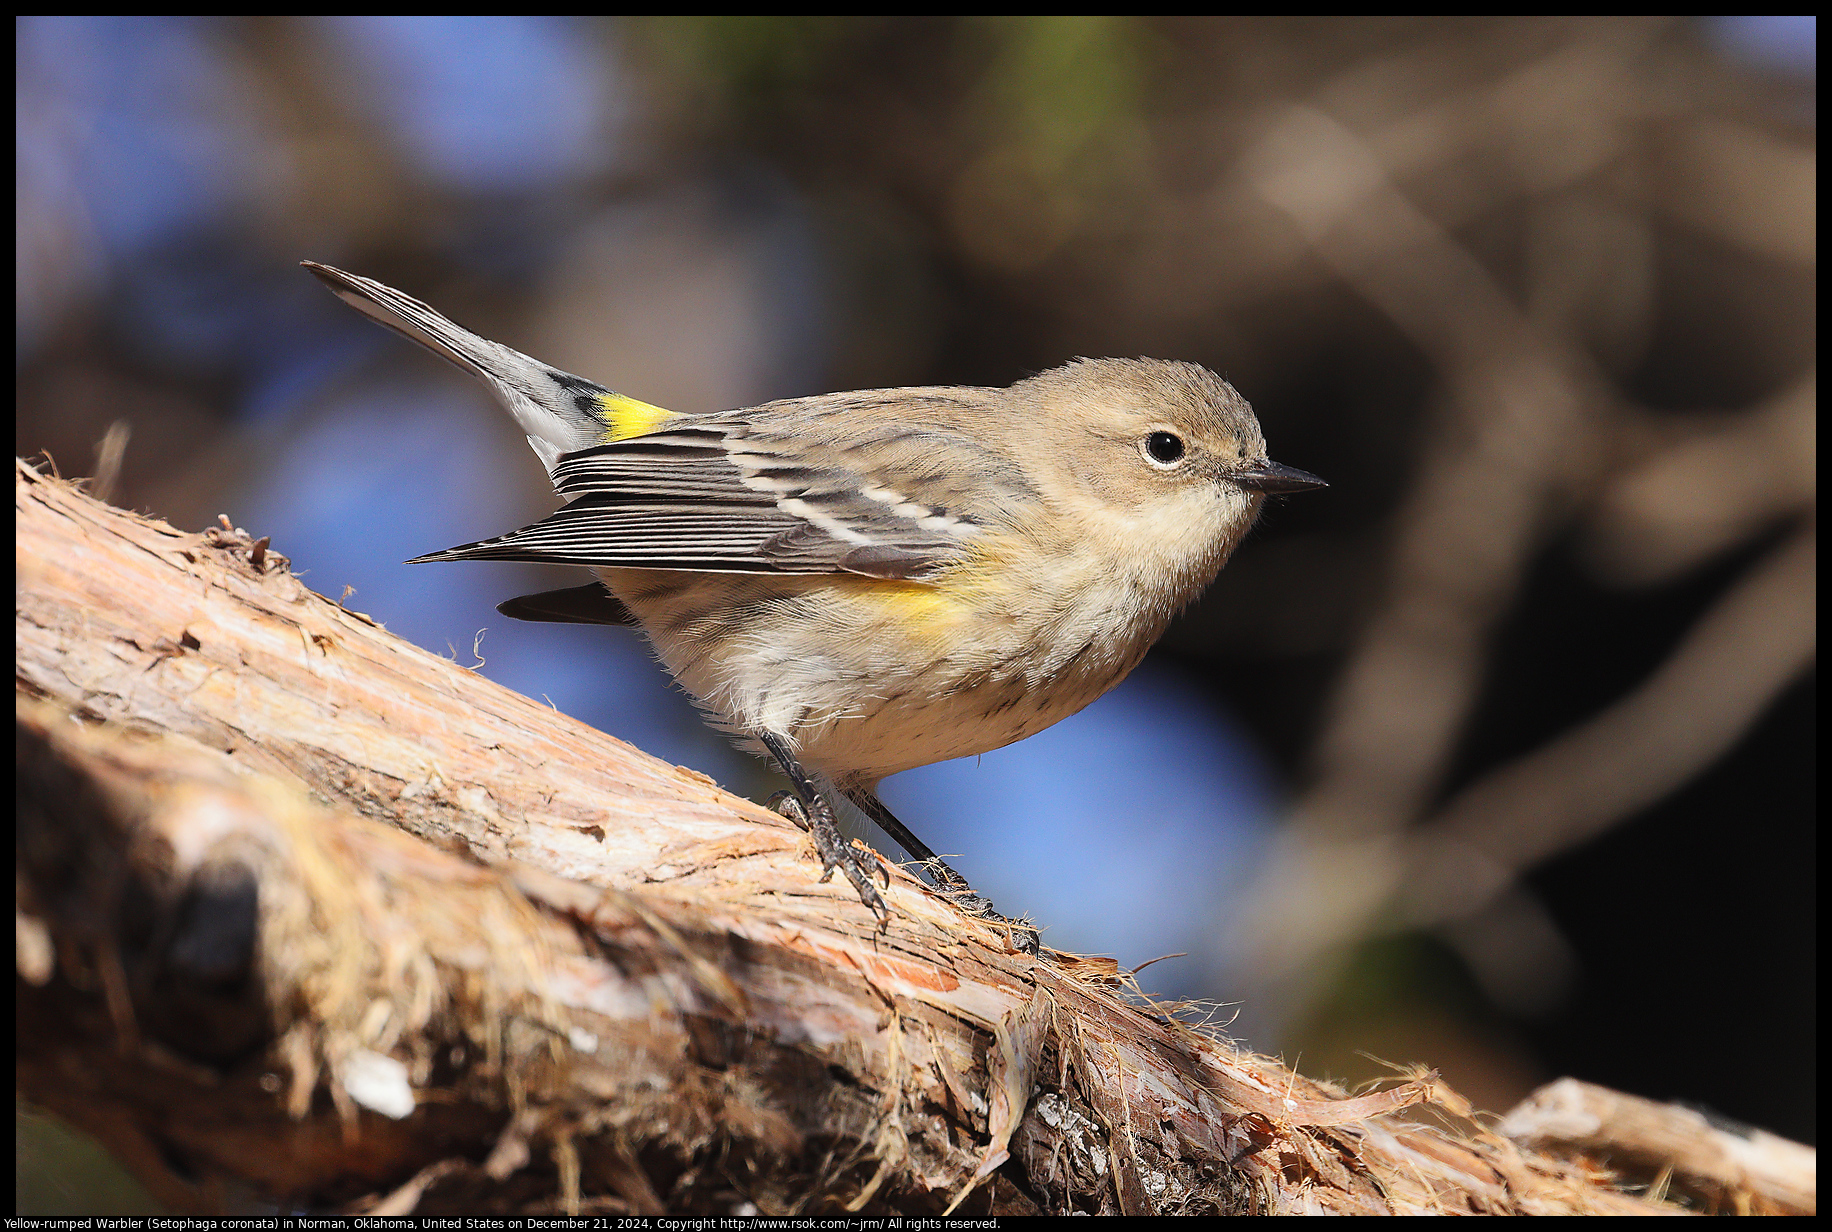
(1164, 448)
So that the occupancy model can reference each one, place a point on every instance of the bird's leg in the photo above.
(945, 877)
(953, 886)
(814, 814)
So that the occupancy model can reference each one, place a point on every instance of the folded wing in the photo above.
(735, 492)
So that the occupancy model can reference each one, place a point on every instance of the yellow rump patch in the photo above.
(626, 417)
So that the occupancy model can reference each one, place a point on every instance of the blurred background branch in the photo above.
(1523, 702)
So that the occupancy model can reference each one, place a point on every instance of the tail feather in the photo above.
(558, 411)
(590, 604)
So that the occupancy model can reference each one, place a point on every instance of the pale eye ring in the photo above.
(1163, 449)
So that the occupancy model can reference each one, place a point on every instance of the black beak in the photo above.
(1272, 477)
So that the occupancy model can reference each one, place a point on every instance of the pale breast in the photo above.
(870, 677)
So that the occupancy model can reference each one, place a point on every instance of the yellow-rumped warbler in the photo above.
(868, 582)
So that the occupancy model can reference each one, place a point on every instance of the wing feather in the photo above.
(738, 492)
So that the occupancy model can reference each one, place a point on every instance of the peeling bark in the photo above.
(307, 912)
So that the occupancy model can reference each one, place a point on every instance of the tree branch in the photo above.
(602, 984)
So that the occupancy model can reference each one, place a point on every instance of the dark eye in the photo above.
(1164, 448)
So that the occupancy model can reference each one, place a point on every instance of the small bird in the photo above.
(862, 583)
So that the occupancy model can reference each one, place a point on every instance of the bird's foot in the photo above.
(853, 859)
(956, 890)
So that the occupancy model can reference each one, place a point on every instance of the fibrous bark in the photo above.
(308, 913)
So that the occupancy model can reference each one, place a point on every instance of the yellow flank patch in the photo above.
(626, 417)
(913, 601)
(912, 609)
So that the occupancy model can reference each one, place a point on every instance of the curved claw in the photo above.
(788, 804)
(836, 852)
